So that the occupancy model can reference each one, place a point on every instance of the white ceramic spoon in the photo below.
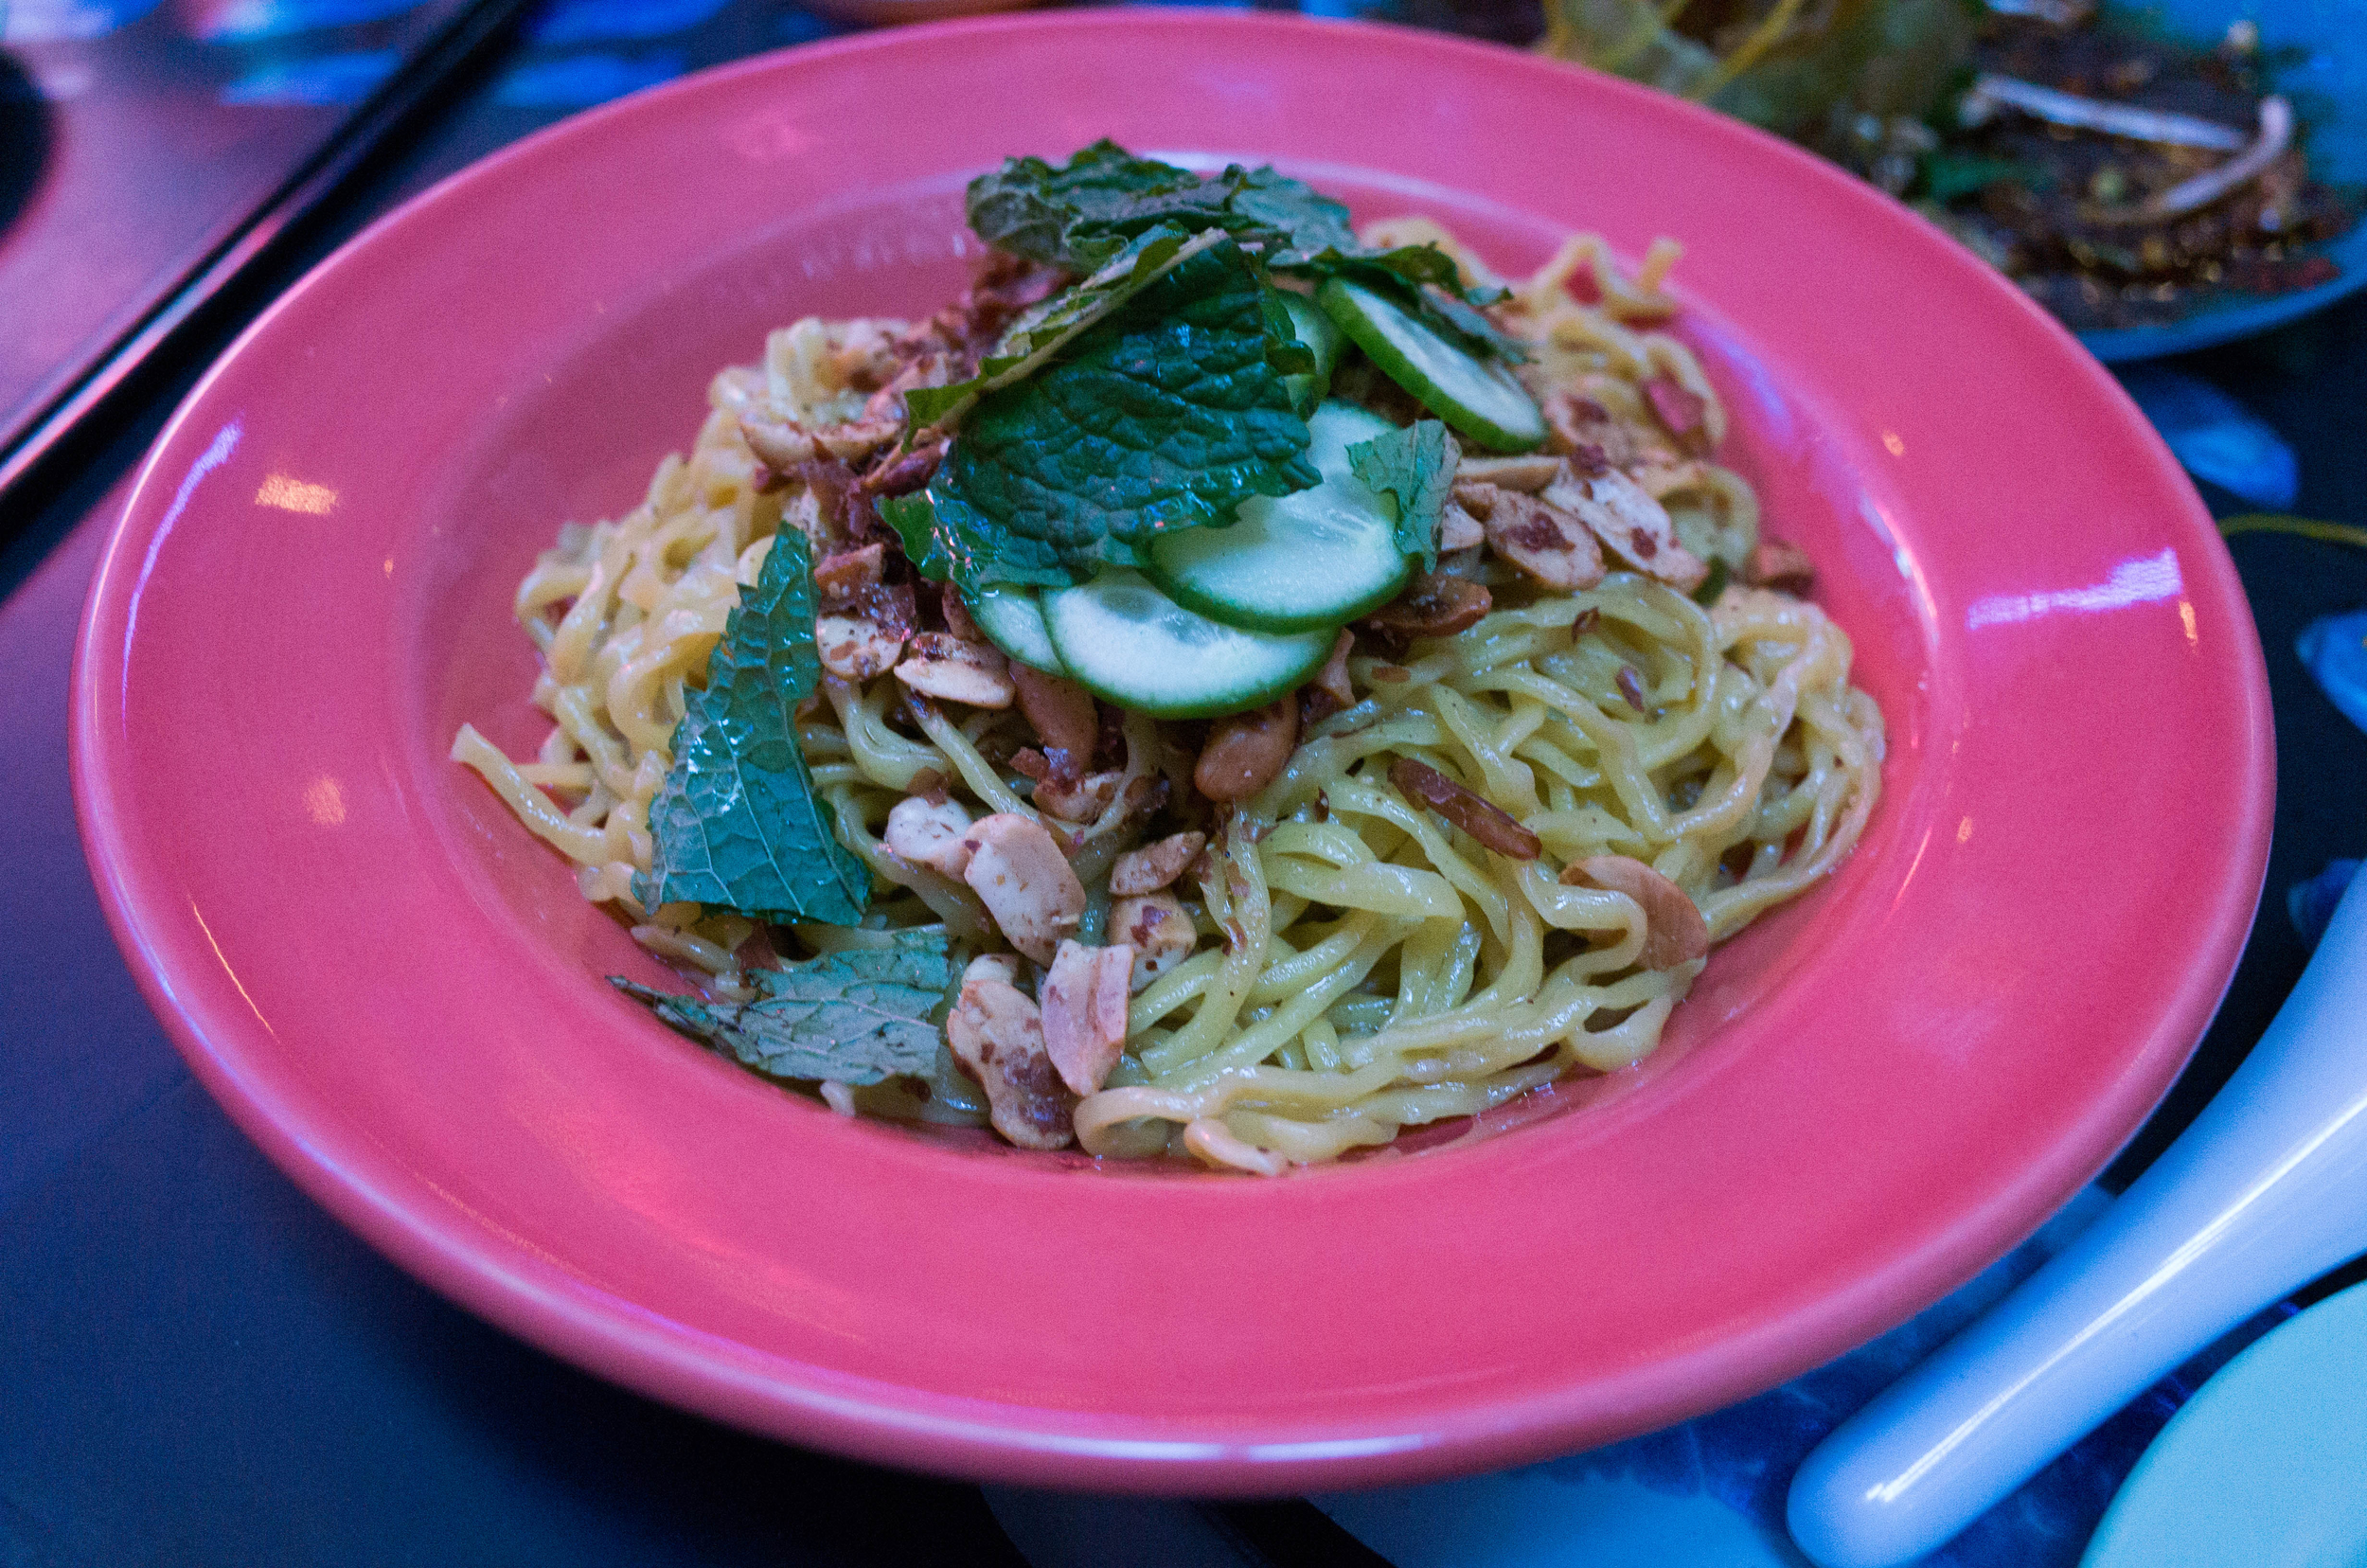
(2266, 1190)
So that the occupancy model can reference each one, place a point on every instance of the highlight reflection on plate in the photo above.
(1870, 1095)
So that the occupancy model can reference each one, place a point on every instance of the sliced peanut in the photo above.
(1674, 931)
(940, 665)
(1247, 751)
(903, 473)
(1635, 527)
(997, 1034)
(844, 575)
(1474, 814)
(1329, 691)
(1682, 411)
(933, 835)
(1662, 480)
(1434, 604)
(1017, 869)
(1155, 865)
(1543, 541)
(957, 619)
(1159, 929)
(855, 647)
(783, 443)
(1061, 712)
(1458, 529)
(1596, 438)
(1073, 799)
(1531, 473)
(1084, 1012)
(1774, 563)
(864, 354)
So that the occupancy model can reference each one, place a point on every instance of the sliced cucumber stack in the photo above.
(1315, 558)
(1013, 620)
(1312, 327)
(1124, 640)
(1481, 401)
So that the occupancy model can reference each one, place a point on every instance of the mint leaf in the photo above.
(1082, 213)
(1951, 176)
(1309, 233)
(1029, 343)
(736, 824)
(1417, 467)
(915, 521)
(1465, 324)
(1166, 413)
(1308, 222)
(854, 1016)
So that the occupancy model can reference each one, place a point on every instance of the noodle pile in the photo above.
(1362, 965)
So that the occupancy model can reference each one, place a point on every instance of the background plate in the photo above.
(2328, 82)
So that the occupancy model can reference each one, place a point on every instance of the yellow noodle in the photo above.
(1364, 966)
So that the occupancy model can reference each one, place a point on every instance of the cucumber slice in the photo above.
(1013, 620)
(1316, 558)
(1312, 327)
(1481, 401)
(1124, 640)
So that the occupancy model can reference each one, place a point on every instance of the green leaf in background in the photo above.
(854, 1016)
(1797, 69)
(1417, 467)
(1945, 176)
(2302, 528)
(1166, 413)
(736, 825)
(1883, 57)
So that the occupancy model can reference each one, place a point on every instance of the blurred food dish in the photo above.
(2158, 181)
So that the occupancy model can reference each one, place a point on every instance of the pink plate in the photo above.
(1872, 1093)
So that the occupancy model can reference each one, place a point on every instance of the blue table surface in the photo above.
(198, 1367)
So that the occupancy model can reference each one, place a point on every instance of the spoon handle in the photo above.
(2263, 1192)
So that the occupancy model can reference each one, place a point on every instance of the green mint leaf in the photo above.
(1308, 219)
(1407, 267)
(1465, 323)
(1083, 213)
(1030, 343)
(1166, 413)
(1953, 176)
(1080, 214)
(925, 406)
(736, 824)
(915, 521)
(1442, 307)
(856, 1016)
(1417, 467)
(1305, 231)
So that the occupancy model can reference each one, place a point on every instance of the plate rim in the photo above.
(705, 1375)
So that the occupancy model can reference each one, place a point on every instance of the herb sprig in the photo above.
(1149, 396)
